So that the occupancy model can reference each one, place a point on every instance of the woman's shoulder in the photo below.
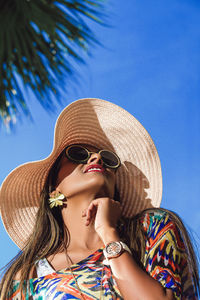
(157, 222)
(18, 275)
(151, 217)
(167, 257)
(32, 274)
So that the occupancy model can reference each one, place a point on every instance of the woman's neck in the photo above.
(82, 237)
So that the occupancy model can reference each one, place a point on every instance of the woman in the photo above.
(87, 217)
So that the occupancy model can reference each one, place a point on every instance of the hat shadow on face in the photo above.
(102, 131)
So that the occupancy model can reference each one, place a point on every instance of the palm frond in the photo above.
(39, 39)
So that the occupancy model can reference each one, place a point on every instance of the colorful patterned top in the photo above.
(165, 260)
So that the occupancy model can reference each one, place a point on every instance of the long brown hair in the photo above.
(50, 236)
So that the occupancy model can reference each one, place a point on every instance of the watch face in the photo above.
(113, 248)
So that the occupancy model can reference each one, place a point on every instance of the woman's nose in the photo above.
(95, 158)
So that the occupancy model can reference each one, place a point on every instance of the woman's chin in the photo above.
(100, 186)
(96, 184)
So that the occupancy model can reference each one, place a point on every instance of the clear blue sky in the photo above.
(149, 65)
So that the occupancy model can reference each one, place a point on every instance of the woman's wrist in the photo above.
(108, 234)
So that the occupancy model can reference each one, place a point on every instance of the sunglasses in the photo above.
(80, 154)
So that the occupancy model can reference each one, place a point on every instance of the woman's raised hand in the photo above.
(104, 213)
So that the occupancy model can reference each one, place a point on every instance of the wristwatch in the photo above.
(115, 249)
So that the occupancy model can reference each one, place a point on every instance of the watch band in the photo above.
(123, 246)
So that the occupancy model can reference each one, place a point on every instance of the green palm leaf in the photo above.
(38, 40)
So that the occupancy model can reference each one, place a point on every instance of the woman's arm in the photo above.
(133, 282)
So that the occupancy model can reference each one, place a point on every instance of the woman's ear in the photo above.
(54, 192)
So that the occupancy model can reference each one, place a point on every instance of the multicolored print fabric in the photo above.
(165, 260)
(61, 284)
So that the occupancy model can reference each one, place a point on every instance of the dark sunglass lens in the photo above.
(77, 153)
(109, 158)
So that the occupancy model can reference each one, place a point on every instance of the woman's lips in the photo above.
(94, 168)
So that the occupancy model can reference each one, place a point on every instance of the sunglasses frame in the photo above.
(89, 155)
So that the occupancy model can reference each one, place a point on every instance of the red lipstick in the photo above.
(94, 168)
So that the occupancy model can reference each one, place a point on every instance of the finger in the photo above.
(89, 221)
(83, 213)
(93, 206)
(91, 216)
(91, 212)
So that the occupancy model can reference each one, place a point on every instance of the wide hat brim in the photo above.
(99, 123)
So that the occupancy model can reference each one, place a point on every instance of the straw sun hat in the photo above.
(98, 123)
